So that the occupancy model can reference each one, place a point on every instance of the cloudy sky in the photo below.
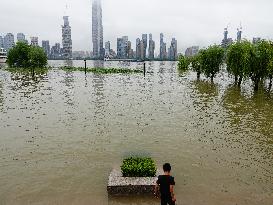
(192, 22)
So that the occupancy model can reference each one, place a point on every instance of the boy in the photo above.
(165, 184)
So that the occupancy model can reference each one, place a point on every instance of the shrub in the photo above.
(23, 55)
(138, 167)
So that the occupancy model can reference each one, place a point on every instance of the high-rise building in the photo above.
(21, 38)
(1, 42)
(123, 47)
(173, 50)
(66, 39)
(163, 48)
(145, 43)
(46, 47)
(56, 51)
(107, 48)
(151, 47)
(97, 30)
(9, 41)
(34, 41)
(226, 41)
(239, 35)
(256, 40)
(138, 49)
(192, 51)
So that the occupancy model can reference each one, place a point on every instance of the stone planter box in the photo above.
(119, 185)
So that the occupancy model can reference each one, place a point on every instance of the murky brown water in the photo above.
(63, 132)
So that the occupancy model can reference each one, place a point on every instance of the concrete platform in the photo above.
(119, 185)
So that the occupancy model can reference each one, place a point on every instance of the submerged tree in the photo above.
(196, 65)
(270, 66)
(238, 60)
(210, 60)
(23, 55)
(259, 63)
(183, 63)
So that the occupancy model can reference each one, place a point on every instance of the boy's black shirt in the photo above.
(165, 181)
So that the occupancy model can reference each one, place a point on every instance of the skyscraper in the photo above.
(107, 48)
(1, 42)
(123, 47)
(97, 30)
(34, 41)
(173, 50)
(239, 34)
(145, 43)
(163, 49)
(66, 39)
(151, 47)
(46, 47)
(138, 49)
(9, 41)
(21, 38)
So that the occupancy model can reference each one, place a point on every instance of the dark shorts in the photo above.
(167, 201)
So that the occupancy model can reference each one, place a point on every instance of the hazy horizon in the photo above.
(191, 23)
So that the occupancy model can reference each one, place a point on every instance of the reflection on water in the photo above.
(62, 133)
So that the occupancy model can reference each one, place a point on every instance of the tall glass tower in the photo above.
(97, 30)
(67, 41)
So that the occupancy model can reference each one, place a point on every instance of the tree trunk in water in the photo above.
(211, 78)
(198, 75)
(236, 79)
(240, 81)
(270, 83)
(256, 85)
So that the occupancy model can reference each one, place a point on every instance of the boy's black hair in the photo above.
(167, 167)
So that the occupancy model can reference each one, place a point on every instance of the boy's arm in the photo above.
(156, 189)
(172, 192)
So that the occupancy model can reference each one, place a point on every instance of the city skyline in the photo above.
(184, 25)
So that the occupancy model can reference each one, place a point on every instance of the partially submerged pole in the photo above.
(85, 68)
(144, 70)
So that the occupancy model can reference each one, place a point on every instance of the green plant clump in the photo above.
(138, 167)
(103, 70)
(23, 55)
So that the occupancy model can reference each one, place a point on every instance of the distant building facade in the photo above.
(173, 50)
(123, 47)
(163, 48)
(226, 41)
(256, 40)
(34, 41)
(9, 41)
(46, 47)
(145, 44)
(97, 30)
(66, 39)
(1, 42)
(21, 38)
(192, 51)
(151, 47)
(56, 51)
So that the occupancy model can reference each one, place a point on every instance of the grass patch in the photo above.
(27, 70)
(138, 167)
(103, 70)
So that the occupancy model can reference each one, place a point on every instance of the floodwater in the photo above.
(61, 133)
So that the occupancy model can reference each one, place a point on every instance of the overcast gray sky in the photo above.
(192, 22)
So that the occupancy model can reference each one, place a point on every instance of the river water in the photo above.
(61, 133)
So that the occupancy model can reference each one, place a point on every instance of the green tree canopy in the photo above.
(210, 60)
(260, 62)
(183, 63)
(23, 55)
(239, 60)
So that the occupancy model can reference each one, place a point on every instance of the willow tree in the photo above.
(196, 65)
(259, 63)
(183, 63)
(238, 60)
(210, 60)
(270, 66)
